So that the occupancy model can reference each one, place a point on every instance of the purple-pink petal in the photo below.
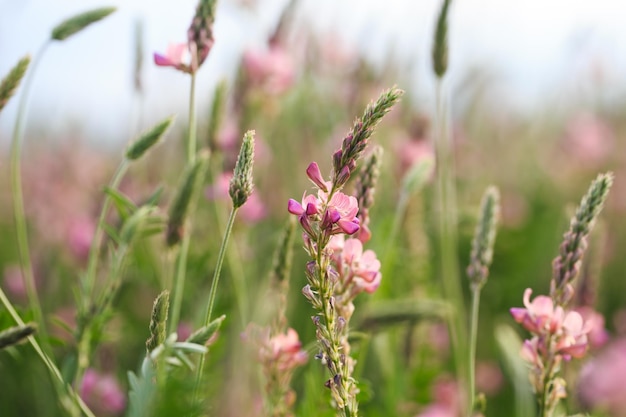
(294, 207)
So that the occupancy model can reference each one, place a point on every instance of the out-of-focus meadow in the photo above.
(301, 92)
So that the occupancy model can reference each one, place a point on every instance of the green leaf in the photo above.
(125, 207)
(79, 22)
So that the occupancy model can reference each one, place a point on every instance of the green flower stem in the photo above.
(180, 271)
(447, 236)
(191, 140)
(96, 243)
(183, 254)
(67, 390)
(18, 197)
(472, 348)
(213, 290)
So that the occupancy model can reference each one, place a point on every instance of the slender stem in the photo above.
(180, 268)
(18, 196)
(213, 291)
(96, 243)
(54, 371)
(191, 140)
(181, 259)
(218, 267)
(472, 348)
(446, 199)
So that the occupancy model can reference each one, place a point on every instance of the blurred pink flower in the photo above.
(14, 282)
(598, 335)
(102, 393)
(589, 139)
(489, 378)
(80, 234)
(176, 56)
(539, 315)
(446, 399)
(283, 351)
(270, 69)
(602, 379)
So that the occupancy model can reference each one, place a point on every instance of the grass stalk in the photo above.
(18, 197)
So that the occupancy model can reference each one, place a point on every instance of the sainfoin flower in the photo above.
(176, 56)
(358, 267)
(539, 315)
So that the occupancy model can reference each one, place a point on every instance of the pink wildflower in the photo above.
(284, 351)
(271, 69)
(573, 342)
(342, 211)
(102, 393)
(538, 316)
(598, 335)
(176, 56)
(364, 266)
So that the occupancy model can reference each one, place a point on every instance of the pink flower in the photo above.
(573, 342)
(342, 211)
(176, 55)
(102, 393)
(271, 69)
(602, 380)
(489, 378)
(598, 336)
(364, 266)
(284, 350)
(538, 316)
(80, 234)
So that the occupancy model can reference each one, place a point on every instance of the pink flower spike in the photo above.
(315, 175)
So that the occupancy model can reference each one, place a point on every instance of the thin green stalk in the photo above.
(179, 280)
(54, 371)
(18, 197)
(213, 291)
(181, 259)
(472, 348)
(96, 243)
(191, 140)
(447, 239)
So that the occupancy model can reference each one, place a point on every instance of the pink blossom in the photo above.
(284, 350)
(271, 69)
(598, 335)
(14, 282)
(538, 316)
(176, 55)
(364, 266)
(573, 342)
(602, 380)
(342, 210)
(80, 235)
(102, 393)
(489, 378)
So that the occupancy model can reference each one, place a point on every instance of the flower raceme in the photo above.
(546, 321)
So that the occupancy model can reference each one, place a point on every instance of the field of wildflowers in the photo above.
(314, 245)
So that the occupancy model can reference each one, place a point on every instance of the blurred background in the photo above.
(537, 97)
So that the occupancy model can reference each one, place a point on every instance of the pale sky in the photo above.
(531, 46)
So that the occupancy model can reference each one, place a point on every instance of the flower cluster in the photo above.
(279, 354)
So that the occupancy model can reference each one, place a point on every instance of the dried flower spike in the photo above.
(158, 320)
(484, 238)
(148, 139)
(241, 184)
(440, 45)
(79, 22)
(344, 160)
(12, 80)
(566, 266)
